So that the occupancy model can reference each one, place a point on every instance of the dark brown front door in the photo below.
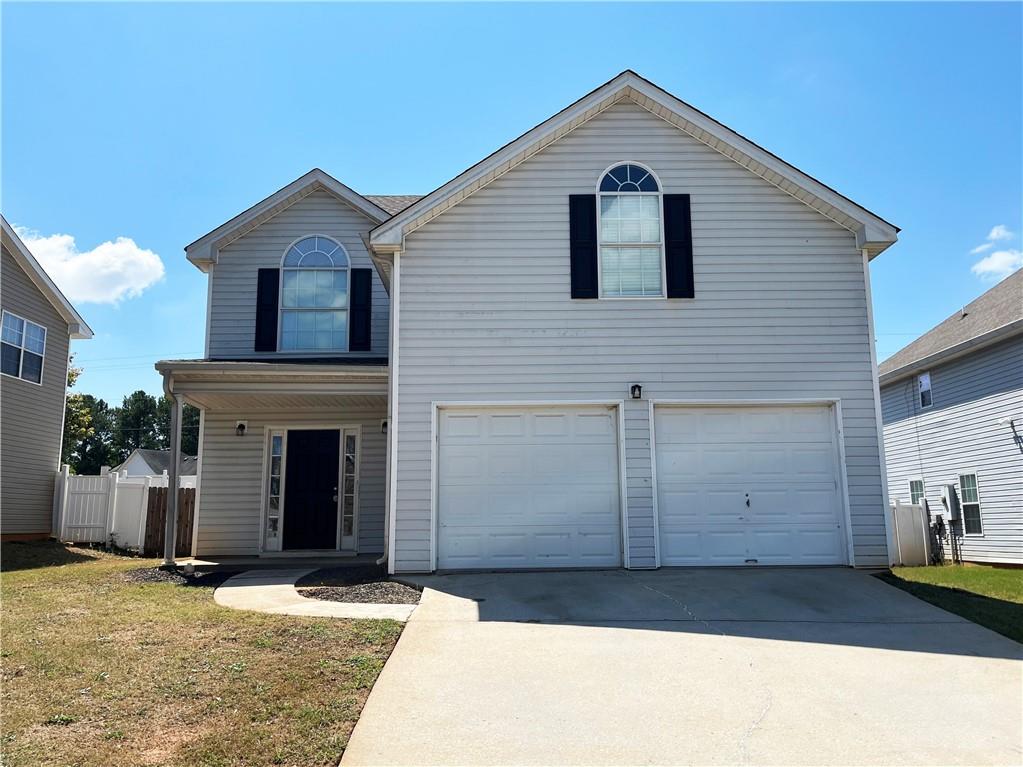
(310, 489)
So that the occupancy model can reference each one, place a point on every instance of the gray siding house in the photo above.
(952, 403)
(628, 338)
(38, 325)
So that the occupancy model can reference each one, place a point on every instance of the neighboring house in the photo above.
(952, 403)
(629, 337)
(38, 325)
(153, 463)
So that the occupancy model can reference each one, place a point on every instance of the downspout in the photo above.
(390, 494)
(875, 383)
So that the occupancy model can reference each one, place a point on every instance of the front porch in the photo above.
(292, 460)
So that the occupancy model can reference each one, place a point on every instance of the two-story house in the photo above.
(38, 325)
(952, 405)
(630, 337)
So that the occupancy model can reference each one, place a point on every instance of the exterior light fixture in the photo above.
(636, 391)
(240, 427)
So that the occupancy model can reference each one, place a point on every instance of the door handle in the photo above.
(335, 499)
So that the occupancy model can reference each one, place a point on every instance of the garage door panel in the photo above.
(545, 492)
(782, 459)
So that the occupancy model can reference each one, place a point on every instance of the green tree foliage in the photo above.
(97, 435)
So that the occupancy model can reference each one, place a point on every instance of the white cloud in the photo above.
(982, 248)
(998, 265)
(1000, 232)
(107, 274)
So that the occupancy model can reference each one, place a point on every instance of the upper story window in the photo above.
(22, 348)
(923, 388)
(314, 296)
(631, 233)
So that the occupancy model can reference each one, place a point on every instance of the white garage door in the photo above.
(528, 488)
(750, 485)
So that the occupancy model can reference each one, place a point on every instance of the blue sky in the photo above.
(156, 123)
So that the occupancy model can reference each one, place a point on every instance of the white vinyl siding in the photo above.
(232, 326)
(486, 314)
(32, 414)
(232, 490)
(961, 434)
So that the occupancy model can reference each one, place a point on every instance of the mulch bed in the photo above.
(366, 584)
(177, 577)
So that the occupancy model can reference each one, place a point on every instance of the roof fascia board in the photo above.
(205, 250)
(872, 232)
(974, 344)
(77, 327)
(269, 368)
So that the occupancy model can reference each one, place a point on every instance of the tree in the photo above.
(189, 426)
(94, 451)
(136, 425)
(77, 417)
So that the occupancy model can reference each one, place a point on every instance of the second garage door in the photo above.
(748, 485)
(527, 488)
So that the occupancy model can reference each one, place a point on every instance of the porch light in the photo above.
(636, 391)
(240, 427)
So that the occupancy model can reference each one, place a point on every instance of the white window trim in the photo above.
(348, 299)
(21, 359)
(268, 431)
(962, 501)
(600, 244)
(919, 391)
(923, 484)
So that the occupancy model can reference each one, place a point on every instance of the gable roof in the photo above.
(77, 327)
(203, 252)
(159, 461)
(995, 315)
(872, 232)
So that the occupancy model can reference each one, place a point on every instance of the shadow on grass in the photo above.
(999, 615)
(29, 555)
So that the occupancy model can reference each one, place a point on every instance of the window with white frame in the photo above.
(923, 387)
(22, 348)
(314, 296)
(916, 491)
(631, 233)
(969, 497)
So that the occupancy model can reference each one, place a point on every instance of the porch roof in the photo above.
(221, 384)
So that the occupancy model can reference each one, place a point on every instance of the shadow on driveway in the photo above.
(821, 605)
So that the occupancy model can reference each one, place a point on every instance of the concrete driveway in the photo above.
(722, 666)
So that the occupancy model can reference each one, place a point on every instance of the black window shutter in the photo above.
(582, 228)
(361, 310)
(268, 286)
(678, 246)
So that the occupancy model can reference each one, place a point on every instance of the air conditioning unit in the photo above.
(950, 503)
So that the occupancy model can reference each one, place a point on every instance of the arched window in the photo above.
(631, 239)
(314, 296)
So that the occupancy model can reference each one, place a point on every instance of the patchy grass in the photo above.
(990, 596)
(100, 670)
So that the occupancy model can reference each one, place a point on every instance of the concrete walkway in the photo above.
(711, 666)
(273, 591)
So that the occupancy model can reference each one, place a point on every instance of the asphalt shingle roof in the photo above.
(997, 307)
(393, 203)
(159, 461)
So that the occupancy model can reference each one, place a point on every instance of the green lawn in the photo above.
(990, 596)
(98, 670)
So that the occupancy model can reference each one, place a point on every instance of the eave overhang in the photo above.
(873, 233)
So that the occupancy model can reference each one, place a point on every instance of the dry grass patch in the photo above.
(100, 670)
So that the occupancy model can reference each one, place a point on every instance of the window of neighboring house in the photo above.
(969, 497)
(22, 348)
(916, 491)
(631, 236)
(314, 296)
(923, 387)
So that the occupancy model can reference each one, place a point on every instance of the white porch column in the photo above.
(171, 529)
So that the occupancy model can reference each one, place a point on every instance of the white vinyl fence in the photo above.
(911, 530)
(104, 509)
